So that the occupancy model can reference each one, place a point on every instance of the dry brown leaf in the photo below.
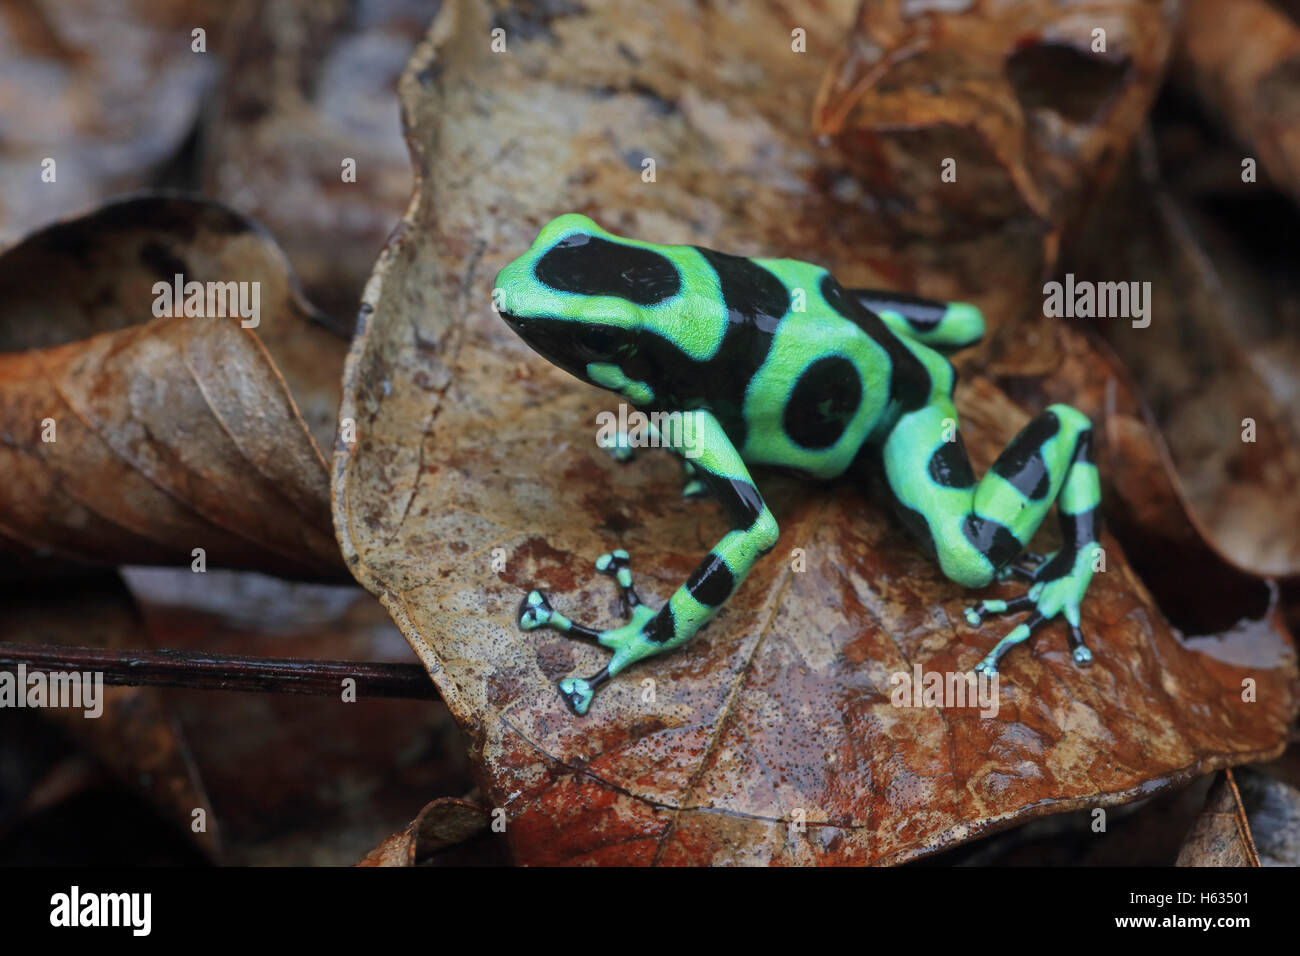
(467, 442)
(1221, 835)
(170, 433)
(440, 827)
(1196, 368)
(1032, 104)
(1250, 819)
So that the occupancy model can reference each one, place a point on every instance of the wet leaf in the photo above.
(780, 711)
(169, 433)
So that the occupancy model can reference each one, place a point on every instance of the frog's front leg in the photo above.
(649, 632)
(621, 448)
(976, 530)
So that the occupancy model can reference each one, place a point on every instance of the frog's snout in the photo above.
(519, 323)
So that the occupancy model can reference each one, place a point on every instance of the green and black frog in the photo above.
(772, 362)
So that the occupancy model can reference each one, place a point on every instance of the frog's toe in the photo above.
(975, 614)
(618, 565)
(535, 611)
(1017, 635)
(577, 693)
(613, 562)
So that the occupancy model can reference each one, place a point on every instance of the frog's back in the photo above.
(804, 375)
(798, 373)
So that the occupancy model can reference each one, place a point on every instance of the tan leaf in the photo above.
(1221, 835)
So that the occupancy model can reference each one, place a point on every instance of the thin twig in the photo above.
(1243, 822)
(224, 672)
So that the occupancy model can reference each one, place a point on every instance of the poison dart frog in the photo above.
(772, 362)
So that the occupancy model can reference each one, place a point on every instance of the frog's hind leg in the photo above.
(946, 326)
(977, 529)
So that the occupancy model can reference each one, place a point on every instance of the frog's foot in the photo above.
(578, 692)
(535, 611)
(630, 642)
(617, 564)
(1058, 589)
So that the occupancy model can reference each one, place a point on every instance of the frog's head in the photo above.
(578, 296)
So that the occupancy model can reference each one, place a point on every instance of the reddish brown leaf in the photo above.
(170, 433)
(467, 443)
